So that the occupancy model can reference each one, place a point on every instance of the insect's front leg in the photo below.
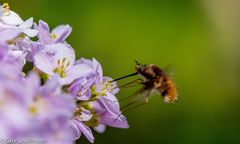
(132, 83)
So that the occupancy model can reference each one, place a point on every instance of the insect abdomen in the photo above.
(168, 91)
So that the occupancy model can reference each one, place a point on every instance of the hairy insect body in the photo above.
(156, 79)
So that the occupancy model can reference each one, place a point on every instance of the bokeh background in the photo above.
(200, 39)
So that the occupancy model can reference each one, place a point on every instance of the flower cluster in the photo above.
(59, 98)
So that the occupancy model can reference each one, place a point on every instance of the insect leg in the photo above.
(133, 102)
(138, 105)
(124, 111)
(133, 95)
(132, 83)
(145, 100)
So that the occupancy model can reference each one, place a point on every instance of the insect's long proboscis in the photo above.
(132, 74)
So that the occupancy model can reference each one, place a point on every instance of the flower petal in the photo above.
(18, 56)
(85, 115)
(36, 47)
(3, 50)
(112, 116)
(32, 83)
(61, 32)
(27, 24)
(85, 130)
(43, 32)
(8, 32)
(97, 66)
(118, 121)
(47, 59)
(76, 131)
(43, 60)
(11, 19)
(74, 72)
(43, 25)
(30, 32)
(100, 128)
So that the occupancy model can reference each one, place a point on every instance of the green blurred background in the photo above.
(200, 39)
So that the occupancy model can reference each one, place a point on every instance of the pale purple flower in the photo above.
(13, 53)
(18, 56)
(57, 35)
(107, 106)
(81, 88)
(10, 22)
(59, 60)
(24, 49)
(108, 110)
(29, 110)
(26, 28)
(9, 32)
(12, 26)
(10, 68)
(64, 99)
(101, 83)
(102, 97)
(26, 45)
(52, 109)
(78, 124)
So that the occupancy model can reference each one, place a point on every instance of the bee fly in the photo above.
(153, 79)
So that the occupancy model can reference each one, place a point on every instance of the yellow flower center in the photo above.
(61, 67)
(6, 9)
(53, 36)
(33, 110)
(37, 106)
(105, 87)
(14, 40)
(94, 121)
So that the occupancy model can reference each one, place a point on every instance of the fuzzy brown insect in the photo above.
(154, 78)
